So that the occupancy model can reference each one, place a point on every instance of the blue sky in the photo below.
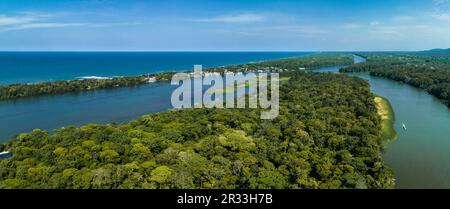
(215, 25)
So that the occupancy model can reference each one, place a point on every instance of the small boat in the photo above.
(5, 154)
(404, 126)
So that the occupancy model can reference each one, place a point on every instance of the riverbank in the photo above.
(418, 156)
(387, 115)
(311, 133)
(428, 73)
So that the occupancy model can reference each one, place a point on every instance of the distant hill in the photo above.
(436, 51)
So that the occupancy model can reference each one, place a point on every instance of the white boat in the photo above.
(5, 155)
(404, 126)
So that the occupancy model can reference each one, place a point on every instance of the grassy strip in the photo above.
(231, 89)
(387, 115)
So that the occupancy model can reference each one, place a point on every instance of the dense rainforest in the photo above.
(326, 136)
(431, 73)
(15, 91)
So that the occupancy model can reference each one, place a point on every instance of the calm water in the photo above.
(104, 106)
(420, 156)
(29, 67)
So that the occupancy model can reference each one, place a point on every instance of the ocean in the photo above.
(31, 67)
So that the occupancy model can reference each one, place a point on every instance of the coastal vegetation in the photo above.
(326, 136)
(292, 64)
(16, 91)
(431, 73)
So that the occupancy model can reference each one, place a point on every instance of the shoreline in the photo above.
(18, 91)
(387, 115)
(156, 72)
(387, 127)
(194, 133)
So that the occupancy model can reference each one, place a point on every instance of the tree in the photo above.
(109, 156)
(325, 137)
(161, 175)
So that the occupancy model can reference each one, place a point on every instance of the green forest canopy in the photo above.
(326, 136)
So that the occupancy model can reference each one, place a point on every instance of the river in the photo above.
(420, 156)
(100, 106)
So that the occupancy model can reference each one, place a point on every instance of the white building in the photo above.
(151, 79)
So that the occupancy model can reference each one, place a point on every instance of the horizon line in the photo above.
(311, 51)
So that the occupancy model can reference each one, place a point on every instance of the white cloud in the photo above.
(439, 2)
(277, 31)
(14, 20)
(403, 18)
(441, 16)
(41, 25)
(33, 20)
(27, 21)
(240, 18)
(351, 26)
(298, 29)
(387, 30)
